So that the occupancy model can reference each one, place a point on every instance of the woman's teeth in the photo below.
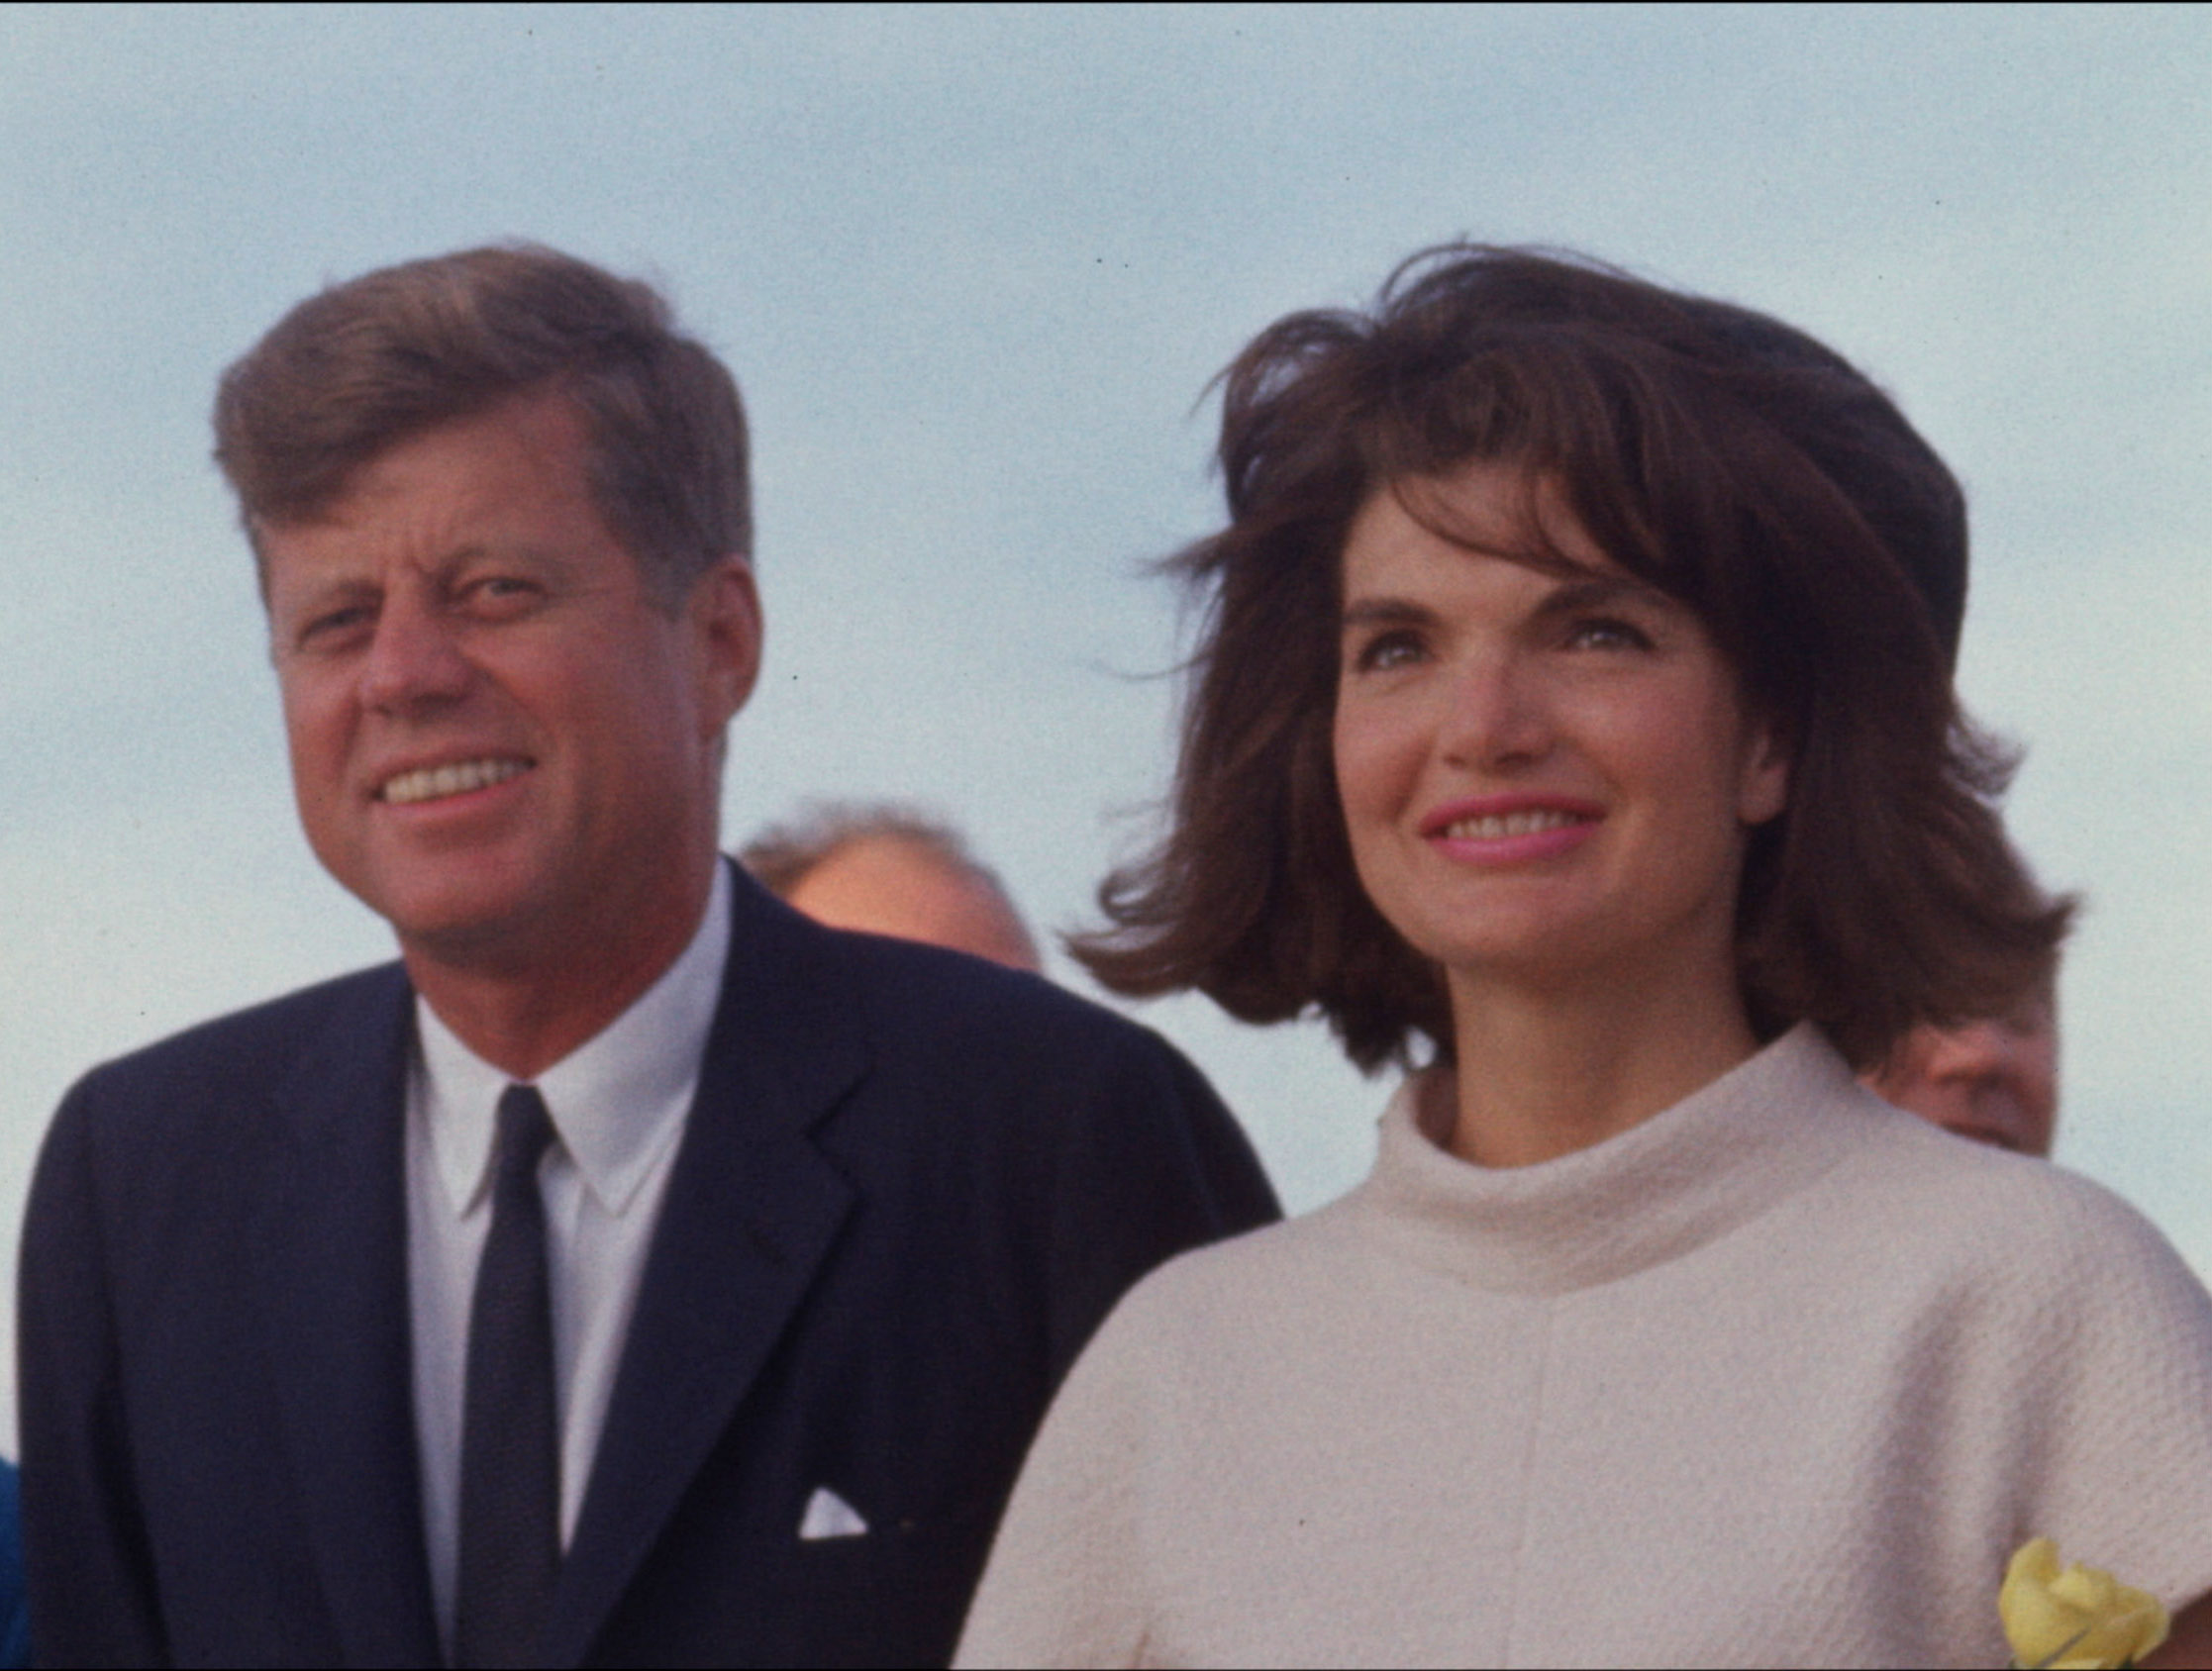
(1498, 827)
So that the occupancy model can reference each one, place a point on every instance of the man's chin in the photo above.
(475, 926)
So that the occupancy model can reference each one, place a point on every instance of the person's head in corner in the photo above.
(890, 870)
(1994, 1079)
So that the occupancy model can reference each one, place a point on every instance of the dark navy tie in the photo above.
(510, 1447)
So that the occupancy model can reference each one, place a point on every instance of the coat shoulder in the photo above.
(212, 1073)
(927, 997)
(244, 1041)
(1016, 1073)
(997, 1037)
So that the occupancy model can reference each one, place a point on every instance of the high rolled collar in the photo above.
(1686, 1177)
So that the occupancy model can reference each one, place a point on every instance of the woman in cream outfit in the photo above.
(1573, 719)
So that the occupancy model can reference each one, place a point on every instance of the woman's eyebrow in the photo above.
(1601, 591)
(1386, 612)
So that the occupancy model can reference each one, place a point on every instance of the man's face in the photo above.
(1995, 1081)
(499, 741)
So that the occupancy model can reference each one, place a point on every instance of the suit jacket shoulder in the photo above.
(1086, 1143)
(170, 1115)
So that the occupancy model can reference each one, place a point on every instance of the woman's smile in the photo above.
(1502, 829)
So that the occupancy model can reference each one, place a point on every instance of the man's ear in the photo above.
(725, 613)
(1763, 786)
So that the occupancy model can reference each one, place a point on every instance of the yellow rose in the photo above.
(2079, 1620)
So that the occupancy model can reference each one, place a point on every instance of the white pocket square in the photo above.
(828, 1516)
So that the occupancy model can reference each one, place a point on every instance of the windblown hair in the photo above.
(383, 358)
(1717, 454)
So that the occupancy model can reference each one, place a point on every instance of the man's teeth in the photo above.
(1497, 829)
(432, 782)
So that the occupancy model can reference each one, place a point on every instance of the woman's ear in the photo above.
(1762, 785)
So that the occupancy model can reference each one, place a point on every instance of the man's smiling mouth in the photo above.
(431, 783)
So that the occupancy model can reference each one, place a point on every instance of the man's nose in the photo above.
(413, 659)
(1978, 1050)
(1497, 715)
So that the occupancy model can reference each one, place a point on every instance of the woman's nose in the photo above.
(1497, 715)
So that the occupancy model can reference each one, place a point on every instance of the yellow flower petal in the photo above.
(2038, 1625)
(2085, 1587)
(2078, 1619)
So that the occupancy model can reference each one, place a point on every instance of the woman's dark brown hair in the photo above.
(1723, 457)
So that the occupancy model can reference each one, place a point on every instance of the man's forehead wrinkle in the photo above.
(304, 586)
(363, 565)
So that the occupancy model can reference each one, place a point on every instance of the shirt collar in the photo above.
(618, 1101)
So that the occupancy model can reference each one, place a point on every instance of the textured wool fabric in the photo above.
(1779, 1377)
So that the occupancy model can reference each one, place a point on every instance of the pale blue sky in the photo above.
(973, 268)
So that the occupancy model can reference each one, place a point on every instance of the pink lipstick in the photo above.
(1502, 829)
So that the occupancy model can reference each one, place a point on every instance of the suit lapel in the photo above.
(752, 1211)
(335, 1245)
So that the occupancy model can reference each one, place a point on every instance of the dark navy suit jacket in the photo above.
(911, 1186)
(15, 1623)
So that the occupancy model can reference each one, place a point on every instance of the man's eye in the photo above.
(498, 592)
(329, 629)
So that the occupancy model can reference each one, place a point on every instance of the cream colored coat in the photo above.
(1781, 1376)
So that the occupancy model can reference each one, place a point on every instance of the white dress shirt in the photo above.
(618, 1104)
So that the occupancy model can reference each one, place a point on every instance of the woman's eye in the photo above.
(1607, 633)
(1386, 651)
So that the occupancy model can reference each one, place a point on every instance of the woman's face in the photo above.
(1543, 776)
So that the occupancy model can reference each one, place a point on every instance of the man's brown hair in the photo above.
(1719, 455)
(383, 358)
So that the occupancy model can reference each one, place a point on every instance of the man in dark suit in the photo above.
(635, 1273)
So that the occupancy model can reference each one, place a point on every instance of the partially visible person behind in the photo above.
(891, 870)
(1994, 1080)
(1573, 728)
